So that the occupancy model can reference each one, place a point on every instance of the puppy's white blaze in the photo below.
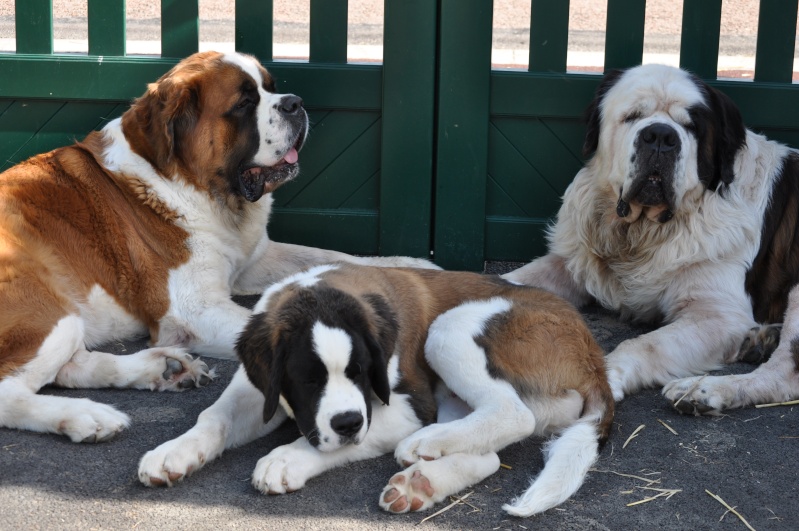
(334, 346)
(305, 279)
(567, 460)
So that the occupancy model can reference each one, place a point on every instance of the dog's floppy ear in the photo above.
(382, 344)
(729, 135)
(264, 364)
(593, 114)
(160, 118)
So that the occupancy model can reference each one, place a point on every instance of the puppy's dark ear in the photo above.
(593, 114)
(264, 365)
(382, 346)
(378, 374)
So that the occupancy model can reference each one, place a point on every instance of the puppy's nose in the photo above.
(660, 137)
(347, 424)
(290, 104)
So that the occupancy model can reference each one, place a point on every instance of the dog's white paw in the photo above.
(285, 469)
(428, 443)
(177, 459)
(88, 421)
(174, 369)
(409, 490)
(702, 395)
(397, 261)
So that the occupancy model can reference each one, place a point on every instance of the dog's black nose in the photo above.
(660, 137)
(347, 424)
(290, 104)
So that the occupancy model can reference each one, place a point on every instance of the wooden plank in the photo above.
(776, 39)
(329, 137)
(699, 42)
(549, 35)
(328, 39)
(461, 167)
(348, 231)
(106, 20)
(624, 36)
(33, 20)
(19, 123)
(515, 239)
(121, 78)
(409, 76)
(254, 21)
(567, 96)
(180, 27)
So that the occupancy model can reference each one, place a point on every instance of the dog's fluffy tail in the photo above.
(567, 458)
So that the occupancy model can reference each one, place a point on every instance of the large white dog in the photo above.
(683, 217)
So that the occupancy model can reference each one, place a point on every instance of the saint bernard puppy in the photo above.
(146, 227)
(685, 218)
(366, 360)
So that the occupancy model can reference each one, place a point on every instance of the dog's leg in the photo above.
(157, 369)
(549, 272)
(287, 468)
(777, 380)
(500, 416)
(278, 260)
(236, 418)
(707, 331)
(426, 483)
(81, 420)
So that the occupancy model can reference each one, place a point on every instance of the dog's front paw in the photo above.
(285, 469)
(177, 370)
(410, 490)
(88, 421)
(177, 459)
(701, 395)
(428, 443)
(397, 261)
(760, 342)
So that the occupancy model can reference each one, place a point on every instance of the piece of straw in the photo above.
(633, 435)
(448, 507)
(775, 404)
(730, 509)
(672, 430)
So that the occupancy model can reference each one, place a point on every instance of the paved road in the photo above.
(747, 457)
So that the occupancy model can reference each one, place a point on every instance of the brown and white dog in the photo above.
(366, 360)
(683, 217)
(147, 226)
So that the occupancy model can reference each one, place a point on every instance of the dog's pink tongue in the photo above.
(292, 156)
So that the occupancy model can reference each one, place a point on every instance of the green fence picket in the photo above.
(254, 21)
(328, 39)
(549, 35)
(699, 41)
(33, 20)
(180, 27)
(624, 34)
(776, 39)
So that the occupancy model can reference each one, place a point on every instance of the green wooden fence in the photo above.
(431, 150)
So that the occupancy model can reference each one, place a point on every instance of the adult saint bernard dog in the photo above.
(147, 226)
(683, 217)
(366, 360)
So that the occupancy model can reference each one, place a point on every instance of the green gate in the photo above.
(430, 151)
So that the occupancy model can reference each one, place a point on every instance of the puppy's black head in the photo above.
(325, 352)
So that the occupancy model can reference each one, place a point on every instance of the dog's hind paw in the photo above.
(760, 342)
(179, 370)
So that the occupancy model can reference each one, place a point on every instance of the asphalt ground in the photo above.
(746, 457)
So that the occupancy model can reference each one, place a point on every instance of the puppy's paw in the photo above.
(427, 444)
(92, 422)
(397, 261)
(410, 490)
(285, 469)
(177, 459)
(760, 342)
(174, 369)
